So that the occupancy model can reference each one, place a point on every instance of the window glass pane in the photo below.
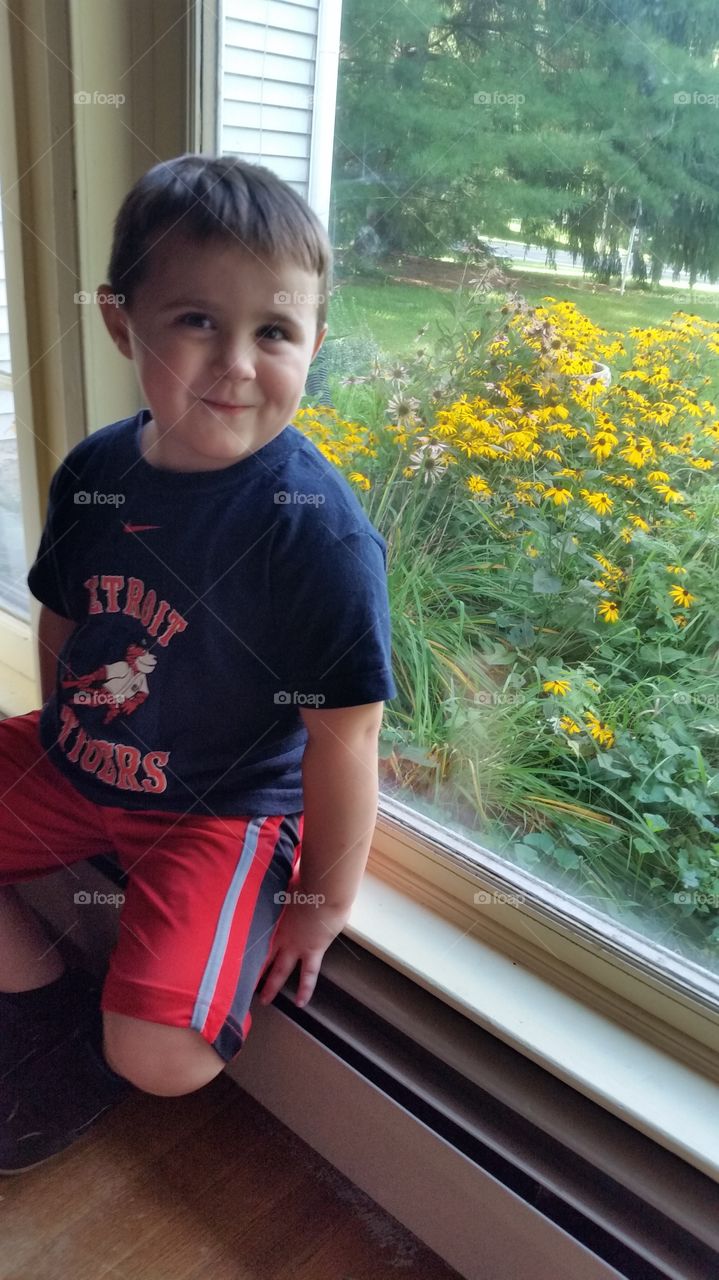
(14, 596)
(521, 382)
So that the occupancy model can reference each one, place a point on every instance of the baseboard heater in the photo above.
(629, 1207)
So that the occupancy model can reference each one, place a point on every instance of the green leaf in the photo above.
(655, 822)
(541, 839)
(660, 654)
(642, 846)
(606, 762)
(566, 858)
(523, 636)
(588, 520)
(526, 857)
(546, 583)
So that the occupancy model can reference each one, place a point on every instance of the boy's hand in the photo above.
(304, 933)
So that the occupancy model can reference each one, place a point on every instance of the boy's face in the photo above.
(222, 341)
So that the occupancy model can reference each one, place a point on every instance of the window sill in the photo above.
(18, 694)
(642, 1085)
(662, 998)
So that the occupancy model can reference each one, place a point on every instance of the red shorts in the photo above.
(200, 907)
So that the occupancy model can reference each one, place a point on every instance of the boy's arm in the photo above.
(340, 788)
(53, 630)
(340, 785)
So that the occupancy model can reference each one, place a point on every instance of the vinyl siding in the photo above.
(269, 51)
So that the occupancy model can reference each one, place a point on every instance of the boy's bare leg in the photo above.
(27, 957)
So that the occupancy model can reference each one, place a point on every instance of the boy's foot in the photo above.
(55, 1098)
(33, 1022)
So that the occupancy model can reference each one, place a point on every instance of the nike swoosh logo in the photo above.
(137, 528)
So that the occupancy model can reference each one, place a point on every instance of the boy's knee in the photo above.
(167, 1061)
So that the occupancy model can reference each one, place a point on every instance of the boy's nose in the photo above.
(236, 360)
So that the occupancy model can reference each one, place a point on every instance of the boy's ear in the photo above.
(115, 317)
(319, 340)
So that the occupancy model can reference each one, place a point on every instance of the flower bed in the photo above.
(553, 554)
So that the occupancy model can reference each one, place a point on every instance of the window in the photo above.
(13, 590)
(524, 332)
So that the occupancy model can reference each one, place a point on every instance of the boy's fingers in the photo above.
(308, 982)
(281, 969)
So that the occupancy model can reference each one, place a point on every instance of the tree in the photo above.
(455, 116)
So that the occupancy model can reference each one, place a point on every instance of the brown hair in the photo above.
(223, 197)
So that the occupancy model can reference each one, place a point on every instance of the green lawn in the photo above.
(392, 313)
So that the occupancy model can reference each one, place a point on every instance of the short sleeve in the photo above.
(336, 625)
(45, 579)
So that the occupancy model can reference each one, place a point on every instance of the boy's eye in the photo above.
(273, 331)
(191, 316)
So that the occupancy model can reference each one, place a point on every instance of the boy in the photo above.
(215, 648)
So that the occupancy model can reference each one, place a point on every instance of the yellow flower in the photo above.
(600, 502)
(357, 478)
(556, 686)
(559, 496)
(599, 730)
(681, 596)
(477, 485)
(670, 495)
(569, 725)
(602, 445)
(675, 569)
(609, 610)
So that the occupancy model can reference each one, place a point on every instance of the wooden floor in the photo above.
(209, 1186)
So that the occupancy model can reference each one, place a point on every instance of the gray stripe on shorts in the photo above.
(206, 990)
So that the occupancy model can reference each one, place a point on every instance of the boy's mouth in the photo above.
(227, 408)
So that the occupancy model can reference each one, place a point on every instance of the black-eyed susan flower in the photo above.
(600, 731)
(681, 596)
(560, 497)
(478, 486)
(608, 610)
(599, 502)
(560, 687)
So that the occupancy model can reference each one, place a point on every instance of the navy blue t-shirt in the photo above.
(211, 606)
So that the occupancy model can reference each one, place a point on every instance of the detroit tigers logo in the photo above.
(120, 686)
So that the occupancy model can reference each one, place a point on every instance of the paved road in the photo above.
(519, 254)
